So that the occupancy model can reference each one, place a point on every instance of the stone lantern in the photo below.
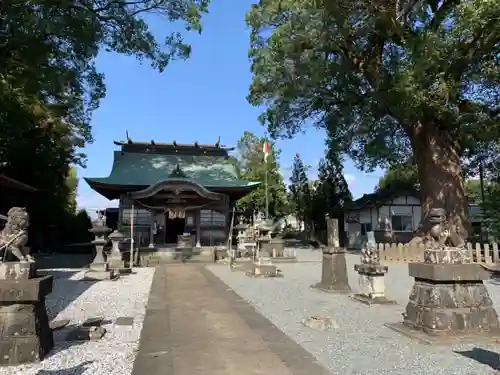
(241, 229)
(265, 228)
(115, 261)
(98, 269)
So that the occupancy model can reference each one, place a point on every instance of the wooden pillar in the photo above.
(198, 227)
(152, 229)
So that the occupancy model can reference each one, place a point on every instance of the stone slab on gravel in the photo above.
(76, 300)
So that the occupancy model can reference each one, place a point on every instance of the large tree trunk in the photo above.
(442, 184)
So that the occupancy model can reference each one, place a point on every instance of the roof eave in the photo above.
(18, 184)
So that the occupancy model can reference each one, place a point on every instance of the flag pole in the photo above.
(132, 236)
(266, 152)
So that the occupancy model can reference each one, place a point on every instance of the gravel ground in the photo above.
(79, 300)
(362, 344)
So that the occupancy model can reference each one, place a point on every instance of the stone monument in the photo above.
(334, 270)
(99, 268)
(449, 299)
(371, 275)
(25, 335)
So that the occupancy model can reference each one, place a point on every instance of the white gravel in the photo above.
(361, 344)
(77, 301)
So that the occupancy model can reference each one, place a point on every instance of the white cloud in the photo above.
(350, 178)
(93, 201)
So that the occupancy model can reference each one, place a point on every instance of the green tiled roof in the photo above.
(145, 169)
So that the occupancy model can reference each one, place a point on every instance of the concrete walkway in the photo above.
(196, 325)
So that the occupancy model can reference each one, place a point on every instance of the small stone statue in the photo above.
(370, 253)
(14, 235)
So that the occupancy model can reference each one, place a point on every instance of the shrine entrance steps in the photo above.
(149, 257)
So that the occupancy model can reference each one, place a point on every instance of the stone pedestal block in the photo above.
(448, 300)
(334, 273)
(99, 271)
(264, 270)
(25, 335)
(372, 284)
(116, 262)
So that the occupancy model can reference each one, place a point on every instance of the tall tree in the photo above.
(300, 191)
(252, 167)
(331, 193)
(49, 85)
(387, 80)
(72, 186)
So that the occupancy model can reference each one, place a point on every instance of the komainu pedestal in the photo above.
(25, 335)
(449, 300)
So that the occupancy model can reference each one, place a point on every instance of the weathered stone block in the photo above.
(14, 271)
(21, 350)
(25, 335)
(116, 262)
(93, 275)
(86, 334)
(25, 290)
(448, 272)
(334, 273)
(99, 267)
(448, 300)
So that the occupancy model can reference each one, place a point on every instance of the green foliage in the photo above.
(72, 186)
(253, 168)
(49, 85)
(386, 80)
(332, 192)
(330, 195)
(473, 189)
(300, 191)
(399, 177)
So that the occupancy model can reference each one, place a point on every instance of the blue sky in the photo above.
(198, 99)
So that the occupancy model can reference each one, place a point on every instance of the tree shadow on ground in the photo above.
(56, 261)
(65, 290)
(75, 370)
(483, 356)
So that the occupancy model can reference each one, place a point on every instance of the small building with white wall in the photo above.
(401, 209)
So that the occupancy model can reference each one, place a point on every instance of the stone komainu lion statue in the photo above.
(14, 235)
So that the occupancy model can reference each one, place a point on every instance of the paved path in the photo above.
(196, 325)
